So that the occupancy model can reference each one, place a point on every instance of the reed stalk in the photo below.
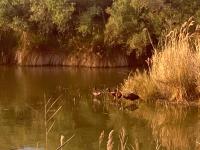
(49, 118)
(64, 143)
(101, 138)
(110, 142)
(123, 139)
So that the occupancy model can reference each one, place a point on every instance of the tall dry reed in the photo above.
(110, 142)
(174, 70)
(101, 138)
(123, 139)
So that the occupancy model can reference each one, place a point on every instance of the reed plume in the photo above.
(101, 138)
(110, 142)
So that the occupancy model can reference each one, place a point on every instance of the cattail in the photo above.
(37, 146)
(110, 142)
(61, 140)
(101, 137)
(123, 138)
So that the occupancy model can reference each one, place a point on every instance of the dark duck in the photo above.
(131, 96)
(118, 94)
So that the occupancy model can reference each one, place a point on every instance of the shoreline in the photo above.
(59, 58)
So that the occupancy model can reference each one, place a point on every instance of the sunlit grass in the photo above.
(141, 84)
(174, 70)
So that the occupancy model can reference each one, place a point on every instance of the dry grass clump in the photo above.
(141, 84)
(174, 71)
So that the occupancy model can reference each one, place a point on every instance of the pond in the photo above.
(22, 102)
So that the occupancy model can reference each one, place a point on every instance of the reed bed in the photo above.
(112, 143)
(174, 70)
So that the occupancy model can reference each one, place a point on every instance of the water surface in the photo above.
(22, 95)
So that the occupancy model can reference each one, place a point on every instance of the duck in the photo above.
(96, 93)
(131, 96)
(116, 93)
(110, 92)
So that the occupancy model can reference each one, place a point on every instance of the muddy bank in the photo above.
(57, 58)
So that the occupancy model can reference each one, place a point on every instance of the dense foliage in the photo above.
(98, 25)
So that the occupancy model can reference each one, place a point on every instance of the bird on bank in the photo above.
(96, 92)
(118, 94)
(110, 92)
(131, 96)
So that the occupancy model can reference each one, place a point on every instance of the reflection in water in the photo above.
(22, 100)
(149, 125)
(173, 127)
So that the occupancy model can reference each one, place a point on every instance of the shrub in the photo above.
(107, 25)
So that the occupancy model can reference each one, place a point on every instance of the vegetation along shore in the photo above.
(100, 33)
(173, 72)
(133, 81)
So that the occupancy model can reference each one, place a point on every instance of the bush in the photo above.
(129, 18)
(133, 22)
(126, 25)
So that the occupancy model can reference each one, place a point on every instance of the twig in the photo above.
(51, 126)
(53, 103)
(54, 114)
(48, 101)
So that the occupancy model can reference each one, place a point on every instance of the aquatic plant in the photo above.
(51, 109)
(110, 142)
(49, 117)
(123, 139)
(101, 138)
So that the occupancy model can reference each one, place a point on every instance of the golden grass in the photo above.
(141, 84)
(110, 142)
(174, 70)
(101, 138)
(123, 139)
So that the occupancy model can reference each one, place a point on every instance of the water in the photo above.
(149, 127)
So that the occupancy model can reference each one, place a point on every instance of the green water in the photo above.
(22, 113)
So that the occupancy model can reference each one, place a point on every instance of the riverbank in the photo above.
(61, 58)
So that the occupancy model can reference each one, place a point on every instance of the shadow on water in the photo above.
(22, 119)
